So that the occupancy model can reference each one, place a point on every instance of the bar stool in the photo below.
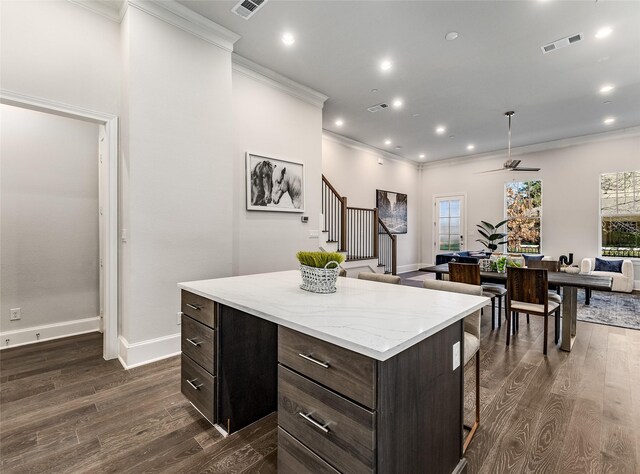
(379, 277)
(471, 339)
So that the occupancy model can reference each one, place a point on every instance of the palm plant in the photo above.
(491, 234)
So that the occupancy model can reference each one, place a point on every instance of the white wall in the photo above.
(49, 225)
(61, 52)
(275, 124)
(570, 192)
(355, 173)
(177, 169)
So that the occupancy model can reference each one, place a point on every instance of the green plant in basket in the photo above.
(319, 259)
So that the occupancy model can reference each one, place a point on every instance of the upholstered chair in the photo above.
(622, 281)
(471, 338)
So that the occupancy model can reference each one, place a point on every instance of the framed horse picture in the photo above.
(274, 184)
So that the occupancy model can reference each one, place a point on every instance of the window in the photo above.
(620, 214)
(523, 202)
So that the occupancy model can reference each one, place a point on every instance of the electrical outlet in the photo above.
(16, 313)
(456, 355)
(179, 318)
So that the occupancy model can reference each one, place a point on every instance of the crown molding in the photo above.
(538, 147)
(187, 20)
(112, 10)
(267, 76)
(356, 145)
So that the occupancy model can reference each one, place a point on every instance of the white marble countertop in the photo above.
(378, 320)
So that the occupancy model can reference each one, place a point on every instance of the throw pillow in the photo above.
(532, 258)
(614, 266)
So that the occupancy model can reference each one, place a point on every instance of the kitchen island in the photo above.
(367, 379)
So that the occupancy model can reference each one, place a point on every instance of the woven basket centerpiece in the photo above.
(320, 280)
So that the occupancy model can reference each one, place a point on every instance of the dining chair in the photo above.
(554, 291)
(471, 339)
(470, 273)
(527, 293)
(379, 277)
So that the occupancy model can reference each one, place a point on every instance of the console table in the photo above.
(367, 379)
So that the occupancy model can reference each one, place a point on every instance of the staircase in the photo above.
(357, 232)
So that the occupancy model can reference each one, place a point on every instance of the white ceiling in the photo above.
(495, 65)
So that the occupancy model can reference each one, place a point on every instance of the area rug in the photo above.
(612, 309)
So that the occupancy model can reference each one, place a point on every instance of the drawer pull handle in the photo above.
(307, 417)
(315, 361)
(195, 387)
(195, 343)
(194, 306)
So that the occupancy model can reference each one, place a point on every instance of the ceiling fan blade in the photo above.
(489, 171)
(525, 169)
(513, 164)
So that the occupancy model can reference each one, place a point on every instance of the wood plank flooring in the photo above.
(64, 409)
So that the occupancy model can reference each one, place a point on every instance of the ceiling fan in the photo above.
(511, 165)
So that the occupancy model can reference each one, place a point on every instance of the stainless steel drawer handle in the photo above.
(193, 385)
(315, 361)
(194, 306)
(307, 416)
(195, 343)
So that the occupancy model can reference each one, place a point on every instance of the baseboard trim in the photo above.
(47, 332)
(408, 268)
(144, 352)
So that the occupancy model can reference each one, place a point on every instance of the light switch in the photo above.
(456, 355)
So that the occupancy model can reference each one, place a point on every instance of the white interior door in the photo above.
(449, 224)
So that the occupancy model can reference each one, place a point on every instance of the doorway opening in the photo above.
(107, 222)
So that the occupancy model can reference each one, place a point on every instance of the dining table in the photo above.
(569, 282)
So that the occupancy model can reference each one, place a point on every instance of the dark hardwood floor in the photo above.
(64, 409)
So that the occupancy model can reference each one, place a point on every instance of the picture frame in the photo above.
(392, 210)
(274, 184)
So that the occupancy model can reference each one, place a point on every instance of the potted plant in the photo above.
(319, 270)
(491, 234)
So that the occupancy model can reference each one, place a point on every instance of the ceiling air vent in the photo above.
(247, 8)
(561, 43)
(376, 108)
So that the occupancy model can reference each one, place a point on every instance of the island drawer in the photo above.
(199, 387)
(347, 372)
(295, 458)
(333, 427)
(199, 308)
(198, 342)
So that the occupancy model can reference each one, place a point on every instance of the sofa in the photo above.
(464, 256)
(622, 281)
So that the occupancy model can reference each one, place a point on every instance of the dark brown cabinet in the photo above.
(338, 410)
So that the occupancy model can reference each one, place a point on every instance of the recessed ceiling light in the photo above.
(603, 32)
(440, 130)
(451, 35)
(398, 147)
(416, 115)
(606, 102)
(385, 65)
(397, 103)
(470, 146)
(387, 141)
(609, 120)
(606, 89)
(422, 155)
(373, 91)
(339, 122)
(288, 39)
